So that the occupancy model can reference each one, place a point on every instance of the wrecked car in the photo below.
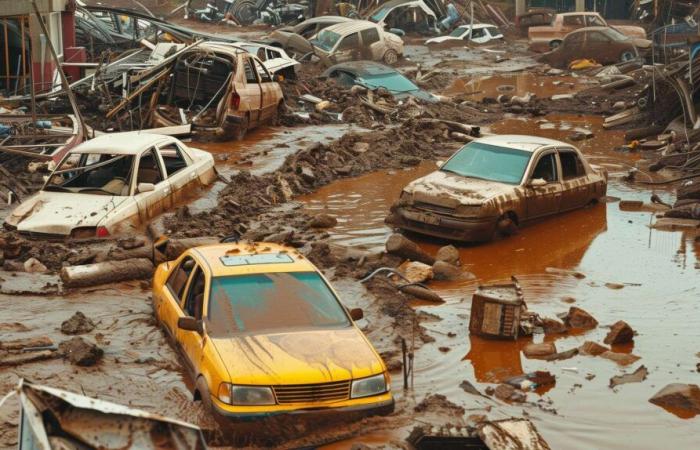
(535, 17)
(602, 44)
(495, 184)
(111, 185)
(374, 75)
(546, 38)
(56, 419)
(255, 322)
(222, 90)
(357, 40)
(295, 38)
(405, 16)
(274, 59)
(481, 34)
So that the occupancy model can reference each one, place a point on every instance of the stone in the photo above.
(622, 359)
(81, 352)
(417, 272)
(469, 388)
(445, 271)
(620, 333)
(360, 147)
(637, 376)
(131, 243)
(307, 174)
(448, 254)
(578, 318)
(592, 348)
(323, 221)
(679, 395)
(539, 350)
(77, 324)
(552, 326)
(33, 265)
(508, 393)
(562, 355)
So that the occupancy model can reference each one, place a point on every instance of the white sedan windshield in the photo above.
(92, 173)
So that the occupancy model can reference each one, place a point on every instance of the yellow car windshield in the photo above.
(272, 302)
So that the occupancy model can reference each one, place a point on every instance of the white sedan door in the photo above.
(151, 187)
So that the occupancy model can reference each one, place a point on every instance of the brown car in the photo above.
(495, 184)
(222, 90)
(545, 38)
(534, 18)
(602, 44)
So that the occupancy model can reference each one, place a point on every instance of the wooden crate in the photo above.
(496, 311)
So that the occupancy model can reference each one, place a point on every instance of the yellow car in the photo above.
(263, 333)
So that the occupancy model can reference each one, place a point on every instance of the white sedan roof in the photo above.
(521, 142)
(129, 143)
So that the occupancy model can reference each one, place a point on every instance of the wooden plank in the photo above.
(136, 93)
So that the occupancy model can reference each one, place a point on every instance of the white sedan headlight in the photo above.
(245, 395)
(366, 387)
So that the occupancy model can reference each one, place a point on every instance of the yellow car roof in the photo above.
(252, 257)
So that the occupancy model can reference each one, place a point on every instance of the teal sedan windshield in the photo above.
(270, 302)
(394, 82)
(489, 162)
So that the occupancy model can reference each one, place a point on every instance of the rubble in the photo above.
(578, 318)
(80, 352)
(77, 324)
(539, 351)
(620, 333)
(678, 396)
(403, 247)
(445, 271)
(106, 272)
(637, 376)
(448, 254)
(416, 272)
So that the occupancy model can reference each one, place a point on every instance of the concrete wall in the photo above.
(24, 7)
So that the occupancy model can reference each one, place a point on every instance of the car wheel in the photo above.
(204, 395)
(245, 12)
(241, 129)
(275, 120)
(390, 57)
(626, 56)
(554, 45)
(506, 225)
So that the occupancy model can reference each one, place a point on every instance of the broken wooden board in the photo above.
(24, 283)
(675, 224)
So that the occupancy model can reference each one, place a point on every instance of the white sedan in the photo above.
(482, 34)
(111, 185)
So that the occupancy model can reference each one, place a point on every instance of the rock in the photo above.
(360, 147)
(469, 388)
(637, 376)
(33, 265)
(323, 221)
(620, 333)
(592, 348)
(619, 106)
(562, 355)
(552, 326)
(539, 350)
(581, 135)
(614, 286)
(307, 174)
(679, 395)
(400, 246)
(448, 254)
(81, 352)
(446, 271)
(322, 105)
(417, 272)
(131, 243)
(578, 318)
(77, 324)
(623, 359)
(508, 393)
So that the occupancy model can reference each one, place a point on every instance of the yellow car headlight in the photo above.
(366, 387)
(232, 394)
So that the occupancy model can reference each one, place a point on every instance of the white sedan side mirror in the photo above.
(538, 182)
(145, 187)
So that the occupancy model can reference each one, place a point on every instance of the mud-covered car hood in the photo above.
(60, 212)
(449, 189)
(299, 357)
(439, 39)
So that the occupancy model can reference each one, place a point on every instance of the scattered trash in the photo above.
(637, 376)
(496, 310)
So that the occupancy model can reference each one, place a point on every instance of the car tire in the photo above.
(627, 56)
(241, 129)
(554, 45)
(245, 12)
(390, 57)
(204, 395)
(506, 225)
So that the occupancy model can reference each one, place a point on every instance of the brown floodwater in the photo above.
(518, 84)
(655, 278)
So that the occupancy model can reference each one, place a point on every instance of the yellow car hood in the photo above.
(299, 357)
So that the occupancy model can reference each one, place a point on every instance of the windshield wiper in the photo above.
(55, 188)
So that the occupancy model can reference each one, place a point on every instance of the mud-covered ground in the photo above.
(278, 179)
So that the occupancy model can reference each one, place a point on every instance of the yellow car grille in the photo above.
(312, 393)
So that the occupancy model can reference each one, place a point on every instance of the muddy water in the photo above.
(519, 84)
(655, 288)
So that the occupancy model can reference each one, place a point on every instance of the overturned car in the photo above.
(493, 185)
(111, 185)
